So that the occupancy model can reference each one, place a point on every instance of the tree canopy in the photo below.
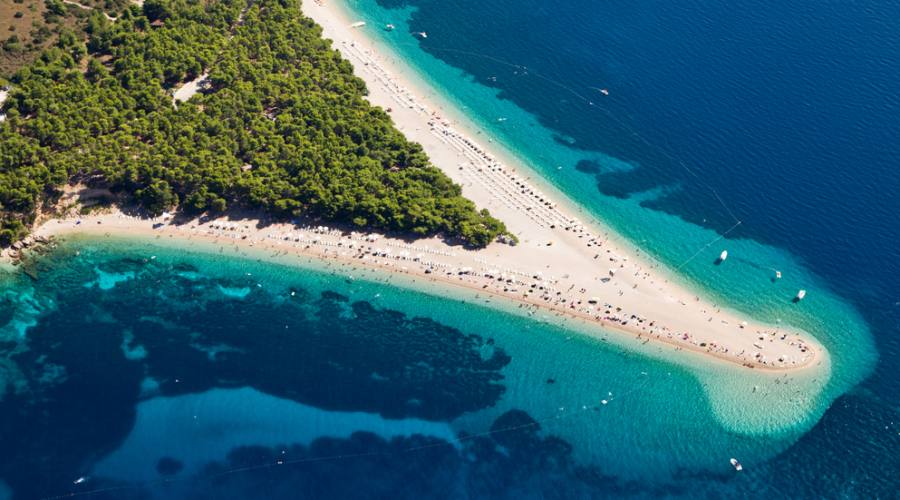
(280, 125)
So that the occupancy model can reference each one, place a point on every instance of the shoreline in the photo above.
(423, 119)
(561, 265)
(435, 263)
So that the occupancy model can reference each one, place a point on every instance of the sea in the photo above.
(149, 368)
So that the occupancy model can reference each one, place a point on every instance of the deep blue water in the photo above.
(783, 115)
(789, 111)
(207, 376)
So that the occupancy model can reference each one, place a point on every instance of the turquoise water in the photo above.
(745, 284)
(161, 370)
(778, 116)
(174, 369)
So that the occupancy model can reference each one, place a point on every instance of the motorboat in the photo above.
(737, 465)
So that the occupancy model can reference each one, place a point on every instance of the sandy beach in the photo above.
(575, 255)
(500, 271)
(561, 265)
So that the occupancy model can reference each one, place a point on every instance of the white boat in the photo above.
(778, 275)
(604, 91)
(358, 24)
(800, 295)
(737, 465)
(723, 255)
(80, 480)
(389, 27)
(422, 34)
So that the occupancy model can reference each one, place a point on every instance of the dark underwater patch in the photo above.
(79, 391)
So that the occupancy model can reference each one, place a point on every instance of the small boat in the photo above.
(777, 275)
(723, 255)
(737, 465)
(800, 295)
(358, 24)
(604, 91)
(422, 34)
(389, 27)
(80, 480)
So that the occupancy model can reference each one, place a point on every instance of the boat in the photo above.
(389, 27)
(358, 24)
(737, 465)
(422, 34)
(80, 480)
(777, 275)
(604, 91)
(800, 295)
(723, 255)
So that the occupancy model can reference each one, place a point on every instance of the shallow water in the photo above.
(777, 115)
(201, 375)
(167, 384)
